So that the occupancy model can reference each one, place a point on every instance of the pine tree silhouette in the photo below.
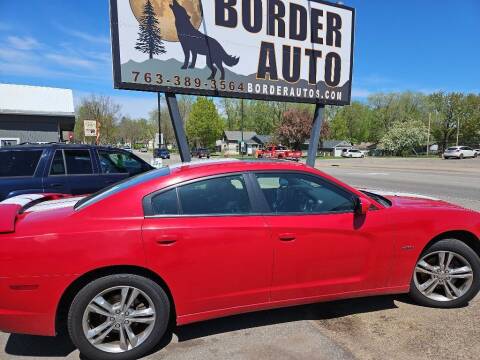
(149, 38)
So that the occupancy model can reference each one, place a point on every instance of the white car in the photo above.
(459, 152)
(352, 153)
(477, 151)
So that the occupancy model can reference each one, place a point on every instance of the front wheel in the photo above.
(118, 317)
(447, 275)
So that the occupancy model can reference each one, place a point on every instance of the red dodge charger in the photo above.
(205, 240)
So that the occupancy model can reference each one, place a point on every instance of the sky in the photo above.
(425, 46)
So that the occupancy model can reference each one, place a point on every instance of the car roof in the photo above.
(28, 146)
(219, 166)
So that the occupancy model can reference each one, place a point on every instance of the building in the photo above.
(334, 147)
(231, 142)
(34, 114)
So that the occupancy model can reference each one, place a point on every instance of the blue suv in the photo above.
(66, 169)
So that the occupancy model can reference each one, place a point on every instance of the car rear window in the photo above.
(121, 186)
(19, 162)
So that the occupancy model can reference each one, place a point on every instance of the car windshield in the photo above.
(121, 186)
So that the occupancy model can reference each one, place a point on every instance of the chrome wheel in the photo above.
(443, 276)
(119, 319)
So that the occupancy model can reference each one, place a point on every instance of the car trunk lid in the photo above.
(11, 208)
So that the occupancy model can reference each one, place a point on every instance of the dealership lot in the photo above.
(390, 327)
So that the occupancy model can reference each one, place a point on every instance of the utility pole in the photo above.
(458, 127)
(428, 136)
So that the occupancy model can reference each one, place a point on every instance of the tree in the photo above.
(149, 38)
(404, 137)
(295, 127)
(204, 125)
(101, 109)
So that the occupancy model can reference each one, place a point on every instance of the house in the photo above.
(334, 147)
(263, 140)
(231, 142)
(34, 114)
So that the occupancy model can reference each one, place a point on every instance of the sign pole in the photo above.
(315, 134)
(178, 127)
(159, 122)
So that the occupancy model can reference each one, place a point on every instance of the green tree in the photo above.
(149, 38)
(204, 125)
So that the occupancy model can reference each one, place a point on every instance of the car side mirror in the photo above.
(362, 205)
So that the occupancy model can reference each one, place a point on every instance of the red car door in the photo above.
(320, 246)
(203, 239)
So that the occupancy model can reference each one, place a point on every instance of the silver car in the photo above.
(459, 152)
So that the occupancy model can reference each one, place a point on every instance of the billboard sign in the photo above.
(285, 50)
(90, 127)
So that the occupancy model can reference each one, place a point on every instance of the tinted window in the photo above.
(302, 193)
(113, 162)
(225, 195)
(165, 203)
(58, 166)
(19, 162)
(78, 162)
(121, 186)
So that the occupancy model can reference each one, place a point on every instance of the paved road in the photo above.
(388, 327)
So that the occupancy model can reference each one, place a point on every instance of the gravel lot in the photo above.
(388, 327)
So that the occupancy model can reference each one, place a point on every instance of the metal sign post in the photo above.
(315, 134)
(178, 127)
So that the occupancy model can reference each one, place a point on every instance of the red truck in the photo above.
(279, 152)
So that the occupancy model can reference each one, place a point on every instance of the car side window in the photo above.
(116, 162)
(79, 162)
(58, 164)
(216, 196)
(297, 193)
(165, 203)
(19, 162)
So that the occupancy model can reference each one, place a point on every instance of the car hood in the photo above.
(400, 199)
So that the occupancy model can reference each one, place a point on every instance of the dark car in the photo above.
(161, 153)
(61, 168)
(201, 153)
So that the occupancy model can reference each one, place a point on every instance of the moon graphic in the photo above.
(165, 16)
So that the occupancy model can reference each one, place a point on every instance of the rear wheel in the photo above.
(461, 157)
(118, 317)
(447, 275)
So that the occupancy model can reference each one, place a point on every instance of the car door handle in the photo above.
(56, 185)
(287, 237)
(167, 240)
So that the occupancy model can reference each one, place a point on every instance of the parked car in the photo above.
(162, 153)
(477, 151)
(459, 152)
(201, 153)
(212, 239)
(143, 149)
(128, 148)
(352, 153)
(280, 152)
(61, 168)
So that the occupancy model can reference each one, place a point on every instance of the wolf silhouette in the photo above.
(197, 43)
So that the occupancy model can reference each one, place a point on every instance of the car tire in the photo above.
(443, 295)
(461, 157)
(80, 317)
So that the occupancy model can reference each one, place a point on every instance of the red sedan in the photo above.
(199, 241)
